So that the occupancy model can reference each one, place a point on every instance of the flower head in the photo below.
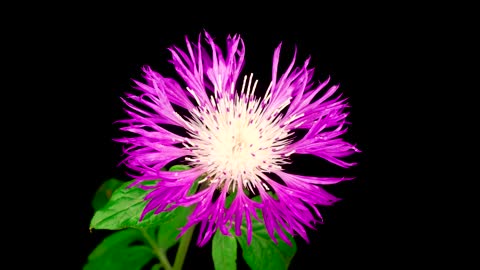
(235, 142)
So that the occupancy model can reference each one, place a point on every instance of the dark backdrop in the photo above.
(367, 227)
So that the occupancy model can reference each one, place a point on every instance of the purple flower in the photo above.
(234, 141)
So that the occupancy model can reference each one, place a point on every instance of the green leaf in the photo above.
(263, 253)
(117, 251)
(130, 258)
(169, 230)
(116, 239)
(123, 210)
(224, 252)
(104, 193)
(179, 167)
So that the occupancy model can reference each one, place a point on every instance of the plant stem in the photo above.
(162, 256)
(182, 249)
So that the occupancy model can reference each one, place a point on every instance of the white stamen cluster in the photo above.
(234, 139)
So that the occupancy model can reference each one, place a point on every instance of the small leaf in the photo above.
(104, 193)
(117, 252)
(179, 167)
(224, 252)
(263, 253)
(123, 210)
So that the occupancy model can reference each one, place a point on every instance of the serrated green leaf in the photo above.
(104, 193)
(263, 253)
(224, 252)
(117, 252)
(123, 210)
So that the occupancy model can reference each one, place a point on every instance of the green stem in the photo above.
(162, 256)
(182, 249)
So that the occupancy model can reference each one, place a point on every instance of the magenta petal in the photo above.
(172, 89)
(310, 179)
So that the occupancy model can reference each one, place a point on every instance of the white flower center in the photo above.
(236, 140)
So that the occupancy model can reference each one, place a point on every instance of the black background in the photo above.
(372, 54)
